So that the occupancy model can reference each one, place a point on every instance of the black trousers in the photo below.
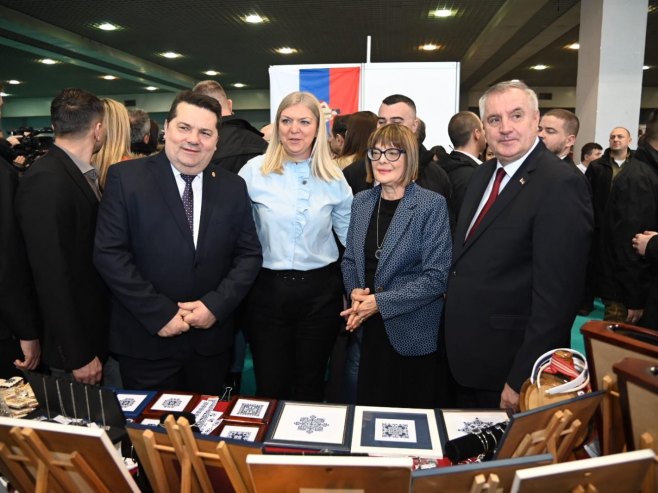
(293, 318)
(186, 371)
(10, 351)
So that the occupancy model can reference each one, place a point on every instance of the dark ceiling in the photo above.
(493, 39)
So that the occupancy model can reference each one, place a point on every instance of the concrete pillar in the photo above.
(610, 60)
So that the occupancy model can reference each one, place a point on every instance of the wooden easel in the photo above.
(557, 438)
(192, 455)
(482, 484)
(41, 456)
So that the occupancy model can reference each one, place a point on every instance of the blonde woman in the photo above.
(299, 198)
(116, 146)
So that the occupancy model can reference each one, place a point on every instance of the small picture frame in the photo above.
(171, 402)
(240, 432)
(250, 410)
(455, 423)
(311, 426)
(396, 431)
(133, 402)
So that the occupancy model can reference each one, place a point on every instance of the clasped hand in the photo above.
(364, 305)
(190, 314)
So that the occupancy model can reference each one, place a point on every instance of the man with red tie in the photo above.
(519, 256)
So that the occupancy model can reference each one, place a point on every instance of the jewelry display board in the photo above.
(293, 473)
(617, 473)
(533, 424)
(311, 426)
(463, 477)
(42, 456)
(396, 431)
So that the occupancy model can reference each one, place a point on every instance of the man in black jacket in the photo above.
(402, 110)
(240, 140)
(632, 209)
(19, 322)
(467, 137)
(601, 175)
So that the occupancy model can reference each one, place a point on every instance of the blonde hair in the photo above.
(116, 147)
(322, 165)
(400, 137)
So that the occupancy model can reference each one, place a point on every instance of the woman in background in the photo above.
(395, 270)
(116, 146)
(299, 197)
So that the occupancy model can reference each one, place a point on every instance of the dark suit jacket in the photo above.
(515, 285)
(56, 210)
(459, 168)
(411, 274)
(145, 252)
(18, 308)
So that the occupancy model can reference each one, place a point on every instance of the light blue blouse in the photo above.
(295, 213)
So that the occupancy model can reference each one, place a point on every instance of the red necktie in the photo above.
(500, 174)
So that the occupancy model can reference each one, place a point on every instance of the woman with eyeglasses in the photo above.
(395, 270)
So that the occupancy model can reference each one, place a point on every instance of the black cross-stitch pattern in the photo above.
(238, 435)
(474, 426)
(172, 402)
(248, 409)
(311, 424)
(128, 402)
(395, 430)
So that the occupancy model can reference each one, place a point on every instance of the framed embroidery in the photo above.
(133, 402)
(250, 410)
(396, 431)
(315, 426)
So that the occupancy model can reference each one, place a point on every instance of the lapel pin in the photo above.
(522, 181)
(213, 174)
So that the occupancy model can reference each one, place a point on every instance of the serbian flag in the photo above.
(337, 86)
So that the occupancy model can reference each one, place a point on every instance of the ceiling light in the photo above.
(151, 88)
(106, 26)
(429, 47)
(211, 73)
(254, 19)
(4, 94)
(239, 85)
(539, 67)
(108, 77)
(442, 13)
(48, 61)
(171, 54)
(286, 50)
(574, 46)
(644, 67)
(13, 82)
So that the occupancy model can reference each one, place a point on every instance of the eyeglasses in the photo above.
(392, 154)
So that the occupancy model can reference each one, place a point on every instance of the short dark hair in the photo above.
(651, 132)
(399, 98)
(571, 121)
(588, 149)
(196, 99)
(74, 111)
(461, 126)
(339, 125)
(140, 125)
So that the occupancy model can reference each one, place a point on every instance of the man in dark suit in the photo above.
(467, 137)
(19, 318)
(177, 245)
(56, 206)
(558, 129)
(518, 269)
